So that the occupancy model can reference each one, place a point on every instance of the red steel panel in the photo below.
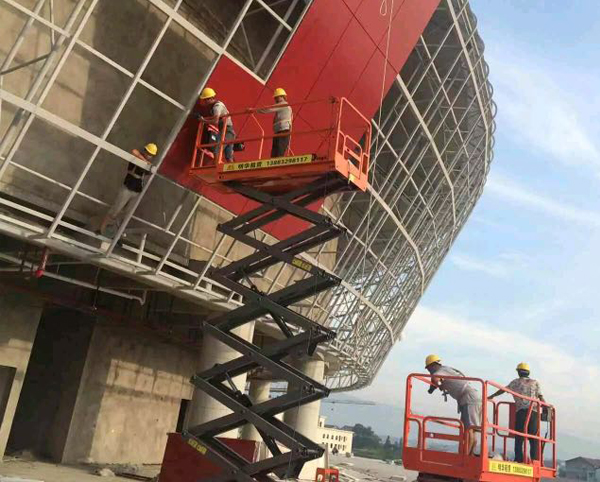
(354, 4)
(182, 463)
(341, 73)
(309, 51)
(407, 26)
(366, 96)
(370, 16)
(334, 52)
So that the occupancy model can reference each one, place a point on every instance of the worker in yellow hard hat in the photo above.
(466, 396)
(132, 184)
(214, 113)
(523, 385)
(282, 122)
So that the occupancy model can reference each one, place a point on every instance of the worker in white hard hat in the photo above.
(132, 185)
(466, 396)
(523, 385)
(282, 122)
(214, 112)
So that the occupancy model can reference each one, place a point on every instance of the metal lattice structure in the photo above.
(72, 102)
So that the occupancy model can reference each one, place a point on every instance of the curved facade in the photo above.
(81, 89)
(432, 148)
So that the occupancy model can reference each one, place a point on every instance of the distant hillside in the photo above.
(388, 419)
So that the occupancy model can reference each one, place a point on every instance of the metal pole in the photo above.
(15, 48)
(40, 78)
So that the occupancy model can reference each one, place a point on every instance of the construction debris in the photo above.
(105, 472)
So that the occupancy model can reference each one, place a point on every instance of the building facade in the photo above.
(335, 439)
(582, 468)
(107, 328)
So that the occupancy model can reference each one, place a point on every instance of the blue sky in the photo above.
(521, 282)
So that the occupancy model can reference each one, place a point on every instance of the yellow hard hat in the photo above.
(151, 149)
(432, 359)
(523, 366)
(278, 92)
(207, 93)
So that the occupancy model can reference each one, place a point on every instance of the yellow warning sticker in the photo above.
(275, 162)
(198, 446)
(301, 264)
(501, 467)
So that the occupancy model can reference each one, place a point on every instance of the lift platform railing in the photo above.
(324, 131)
(493, 429)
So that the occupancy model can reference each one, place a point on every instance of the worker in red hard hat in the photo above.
(215, 113)
(282, 122)
(467, 398)
(523, 385)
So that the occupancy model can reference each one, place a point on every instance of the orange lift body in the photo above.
(492, 465)
(341, 146)
(331, 474)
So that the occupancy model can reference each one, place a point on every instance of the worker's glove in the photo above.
(197, 116)
(431, 389)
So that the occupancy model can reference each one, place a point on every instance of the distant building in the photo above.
(583, 468)
(335, 438)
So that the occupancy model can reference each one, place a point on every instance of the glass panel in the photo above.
(259, 39)
(213, 17)
(183, 54)
(124, 30)
(87, 91)
(36, 43)
(52, 152)
(145, 118)
(288, 10)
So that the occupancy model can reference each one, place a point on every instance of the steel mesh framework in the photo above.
(432, 150)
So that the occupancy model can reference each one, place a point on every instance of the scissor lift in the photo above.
(282, 189)
(492, 464)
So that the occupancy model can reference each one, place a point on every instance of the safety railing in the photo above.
(321, 128)
(494, 432)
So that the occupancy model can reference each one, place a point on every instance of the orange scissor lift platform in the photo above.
(338, 144)
(492, 463)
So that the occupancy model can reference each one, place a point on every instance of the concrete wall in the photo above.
(19, 317)
(50, 388)
(129, 397)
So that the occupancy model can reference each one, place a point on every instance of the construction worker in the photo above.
(215, 113)
(468, 399)
(530, 388)
(132, 185)
(282, 122)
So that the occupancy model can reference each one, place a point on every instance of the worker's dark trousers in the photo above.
(280, 144)
(227, 148)
(532, 429)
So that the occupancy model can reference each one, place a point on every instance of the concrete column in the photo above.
(19, 318)
(203, 407)
(259, 392)
(305, 419)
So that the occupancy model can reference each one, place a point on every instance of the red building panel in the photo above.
(404, 35)
(183, 463)
(338, 50)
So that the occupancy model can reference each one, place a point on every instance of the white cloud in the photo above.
(495, 269)
(502, 267)
(505, 188)
(569, 380)
(545, 109)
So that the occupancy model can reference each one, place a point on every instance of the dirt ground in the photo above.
(48, 472)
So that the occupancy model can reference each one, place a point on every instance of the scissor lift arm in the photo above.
(299, 335)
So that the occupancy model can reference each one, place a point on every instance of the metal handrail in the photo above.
(486, 425)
